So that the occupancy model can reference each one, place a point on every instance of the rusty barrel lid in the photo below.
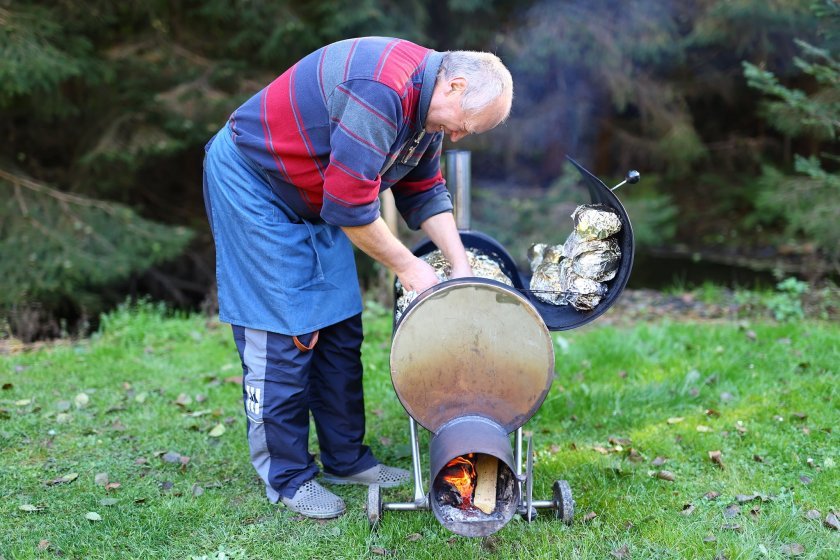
(471, 346)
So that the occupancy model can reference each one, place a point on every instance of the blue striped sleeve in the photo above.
(364, 119)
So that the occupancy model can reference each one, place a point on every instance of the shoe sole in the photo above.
(341, 481)
(329, 515)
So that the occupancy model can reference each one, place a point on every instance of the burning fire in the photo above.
(460, 473)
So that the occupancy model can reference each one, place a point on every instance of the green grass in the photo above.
(771, 390)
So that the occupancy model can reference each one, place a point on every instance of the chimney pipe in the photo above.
(458, 179)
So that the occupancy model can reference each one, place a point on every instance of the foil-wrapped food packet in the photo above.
(596, 221)
(584, 294)
(573, 273)
(482, 266)
(546, 284)
(558, 284)
(597, 260)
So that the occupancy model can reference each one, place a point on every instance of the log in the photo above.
(486, 475)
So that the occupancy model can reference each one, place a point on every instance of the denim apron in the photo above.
(275, 271)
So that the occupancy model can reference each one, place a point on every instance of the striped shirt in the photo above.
(344, 123)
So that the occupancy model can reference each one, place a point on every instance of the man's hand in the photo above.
(442, 231)
(418, 277)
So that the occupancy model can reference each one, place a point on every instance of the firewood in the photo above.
(486, 474)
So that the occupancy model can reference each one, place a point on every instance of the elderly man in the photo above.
(290, 182)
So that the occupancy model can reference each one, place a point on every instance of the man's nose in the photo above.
(455, 136)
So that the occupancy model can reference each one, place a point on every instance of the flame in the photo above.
(461, 475)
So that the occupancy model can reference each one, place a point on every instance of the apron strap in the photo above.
(302, 347)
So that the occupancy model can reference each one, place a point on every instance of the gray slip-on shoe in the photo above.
(386, 477)
(313, 500)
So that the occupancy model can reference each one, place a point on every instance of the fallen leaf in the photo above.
(63, 479)
(675, 420)
(659, 461)
(217, 431)
(739, 425)
(806, 479)
(101, 479)
(620, 441)
(665, 475)
(140, 461)
(800, 415)
(29, 508)
(141, 397)
(107, 502)
(380, 551)
(703, 429)
(112, 486)
(744, 498)
(197, 490)
(386, 441)
(414, 537)
(778, 418)
(731, 527)
(620, 553)
(93, 516)
(793, 549)
(378, 412)
(758, 458)
(635, 456)
(733, 510)
(23, 402)
(813, 514)
(490, 544)
(751, 335)
(7, 386)
(601, 450)
(171, 457)
(755, 510)
(687, 509)
(237, 379)
(832, 522)
(81, 400)
(589, 516)
(715, 456)
(43, 544)
(712, 413)
(183, 400)
(709, 538)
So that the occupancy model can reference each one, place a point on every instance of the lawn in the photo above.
(132, 445)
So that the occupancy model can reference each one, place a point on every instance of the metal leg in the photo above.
(517, 454)
(420, 498)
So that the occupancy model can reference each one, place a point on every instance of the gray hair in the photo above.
(486, 75)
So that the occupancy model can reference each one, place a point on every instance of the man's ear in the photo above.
(457, 84)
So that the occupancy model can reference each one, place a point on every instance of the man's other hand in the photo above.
(418, 277)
